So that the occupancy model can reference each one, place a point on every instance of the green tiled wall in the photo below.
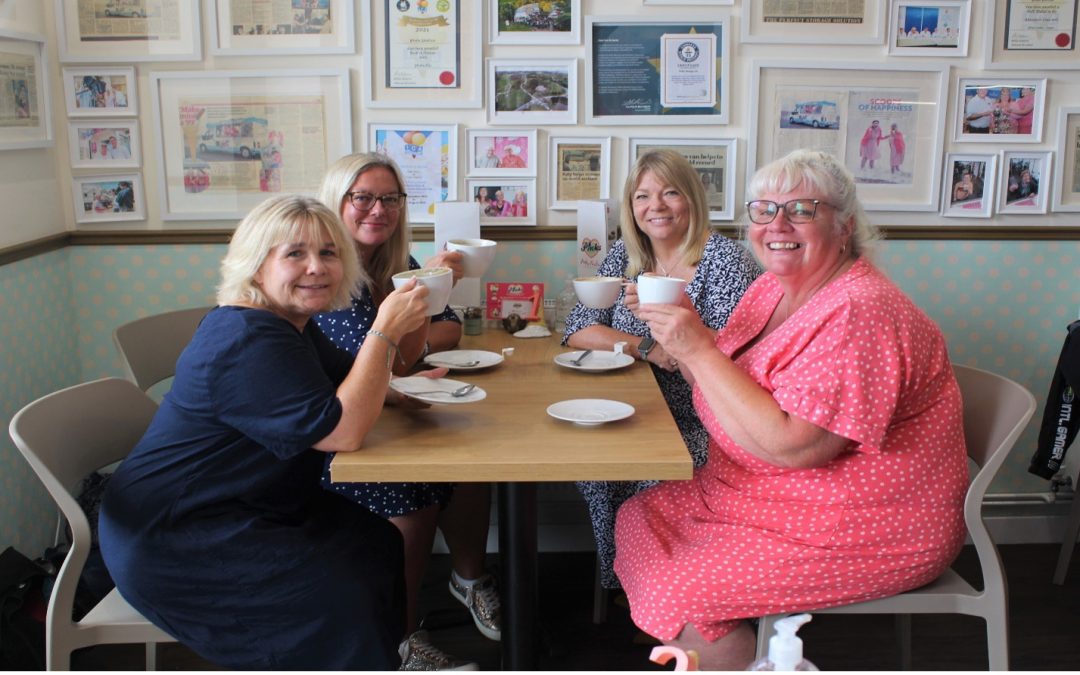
(1003, 306)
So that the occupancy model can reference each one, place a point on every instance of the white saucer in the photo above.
(590, 411)
(595, 362)
(457, 358)
(410, 385)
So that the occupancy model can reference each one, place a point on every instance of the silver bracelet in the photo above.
(389, 352)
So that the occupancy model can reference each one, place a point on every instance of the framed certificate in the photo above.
(1030, 34)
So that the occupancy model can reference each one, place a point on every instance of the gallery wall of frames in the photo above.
(186, 113)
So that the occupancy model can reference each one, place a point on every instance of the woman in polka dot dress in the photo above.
(837, 464)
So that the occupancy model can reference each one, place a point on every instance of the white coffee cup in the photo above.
(477, 254)
(439, 281)
(656, 289)
(598, 292)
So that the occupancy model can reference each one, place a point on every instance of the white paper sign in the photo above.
(597, 227)
(459, 220)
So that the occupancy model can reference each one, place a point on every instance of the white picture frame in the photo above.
(99, 198)
(290, 30)
(1067, 161)
(227, 140)
(502, 152)
(25, 107)
(508, 208)
(104, 144)
(997, 54)
(121, 39)
(1002, 127)
(579, 168)
(939, 28)
(507, 102)
(710, 3)
(1024, 183)
(427, 155)
(100, 92)
(791, 28)
(975, 198)
(715, 160)
(533, 31)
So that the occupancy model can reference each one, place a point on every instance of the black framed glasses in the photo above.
(797, 211)
(365, 201)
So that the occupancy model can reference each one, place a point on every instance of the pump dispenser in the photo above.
(786, 648)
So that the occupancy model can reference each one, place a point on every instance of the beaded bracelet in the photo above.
(393, 345)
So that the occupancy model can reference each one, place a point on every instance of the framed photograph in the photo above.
(999, 110)
(968, 188)
(100, 92)
(532, 91)
(885, 121)
(1025, 182)
(925, 28)
(257, 27)
(712, 3)
(1030, 34)
(820, 23)
(103, 144)
(580, 169)
(513, 22)
(25, 114)
(100, 199)
(505, 152)
(120, 31)
(713, 158)
(227, 140)
(508, 201)
(641, 71)
(423, 53)
(1067, 161)
(428, 159)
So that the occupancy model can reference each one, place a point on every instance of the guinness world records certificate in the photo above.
(1040, 24)
(423, 44)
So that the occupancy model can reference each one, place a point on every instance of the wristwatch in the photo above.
(645, 346)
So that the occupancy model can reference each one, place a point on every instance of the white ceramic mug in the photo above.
(598, 292)
(477, 254)
(439, 281)
(656, 289)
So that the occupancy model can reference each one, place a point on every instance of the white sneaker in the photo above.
(482, 599)
(417, 653)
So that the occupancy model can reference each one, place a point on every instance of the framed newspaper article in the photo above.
(117, 31)
(580, 169)
(1067, 161)
(968, 188)
(885, 121)
(427, 155)
(820, 23)
(1025, 182)
(100, 199)
(98, 91)
(713, 158)
(255, 27)
(428, 53)
(229, 139)
(105, 144)
(925, 28)
(1030, 34)
(25, 115)
(513, 22)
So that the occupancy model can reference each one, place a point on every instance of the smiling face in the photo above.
(299, 278)
(799, 254)
(661, 211)
(373, 227)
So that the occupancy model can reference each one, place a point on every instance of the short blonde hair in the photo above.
(821, 173)
(276, 221)
(674, 169)
(393, 255)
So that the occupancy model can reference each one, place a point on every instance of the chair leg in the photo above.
(1068, 542)
(903, 640)
(600, 598)
(151, 656)
(997, 641)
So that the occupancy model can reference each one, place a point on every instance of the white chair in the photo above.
(150, 346)
(996, 410)
(65, 436)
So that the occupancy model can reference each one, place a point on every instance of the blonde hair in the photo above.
(277, 220)
(823, 174)
(392, 256)
(671, 168)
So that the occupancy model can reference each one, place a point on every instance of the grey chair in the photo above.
(150, 346)
(996, 411)
(65, 436)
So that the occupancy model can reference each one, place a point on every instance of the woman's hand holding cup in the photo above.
(403, 310)
(452, 259)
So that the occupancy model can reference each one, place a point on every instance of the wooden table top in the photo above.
(509, 436)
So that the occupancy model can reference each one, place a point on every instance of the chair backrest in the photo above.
(150, 346)
(67, 435)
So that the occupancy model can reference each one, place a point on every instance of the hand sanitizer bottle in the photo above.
(785, 648)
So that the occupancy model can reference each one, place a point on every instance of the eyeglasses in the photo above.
(364, 201)
(797, 211)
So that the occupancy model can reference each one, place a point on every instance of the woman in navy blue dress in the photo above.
(367, 190)
(215, 527)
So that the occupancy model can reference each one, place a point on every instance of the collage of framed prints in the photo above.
(502, 175)
(103, 133)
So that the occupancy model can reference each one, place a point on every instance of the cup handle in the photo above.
(619, 347)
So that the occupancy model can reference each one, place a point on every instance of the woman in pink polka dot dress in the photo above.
(837, 465)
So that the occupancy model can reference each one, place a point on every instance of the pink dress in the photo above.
(745, 538)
